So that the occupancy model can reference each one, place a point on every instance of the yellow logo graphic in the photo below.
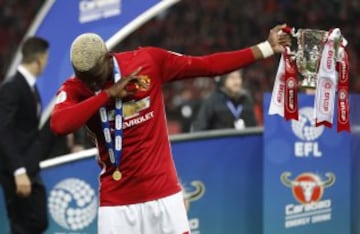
(143, 83)
(132, 108)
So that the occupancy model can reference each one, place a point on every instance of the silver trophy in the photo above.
(310, 44)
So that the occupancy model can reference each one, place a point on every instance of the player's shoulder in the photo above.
(152, 50)
(140, 52)
(158, 52)
(73, 83)
(74, 89)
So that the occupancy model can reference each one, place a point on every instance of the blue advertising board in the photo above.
(355, 163)
(230, 169)
(221, 177)
(72, 196)
(307, 175)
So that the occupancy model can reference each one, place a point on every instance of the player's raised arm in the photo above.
(176, 66)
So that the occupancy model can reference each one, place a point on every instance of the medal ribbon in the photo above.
(236, 111)
(114, 150)
(343, 122)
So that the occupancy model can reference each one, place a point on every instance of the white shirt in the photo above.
(30, 78)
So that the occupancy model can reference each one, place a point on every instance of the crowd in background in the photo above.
(198, 27)
(15, 19)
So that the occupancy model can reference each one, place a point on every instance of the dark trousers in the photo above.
(26, 215)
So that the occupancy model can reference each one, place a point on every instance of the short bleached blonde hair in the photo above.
(86, 51)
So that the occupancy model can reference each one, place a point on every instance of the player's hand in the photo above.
(23, 185)
(279, 40)
(118, 90)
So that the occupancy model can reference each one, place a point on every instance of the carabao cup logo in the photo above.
(73, 204)
(307, 187)
(305, 128)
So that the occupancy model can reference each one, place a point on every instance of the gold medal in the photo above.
(116, 175)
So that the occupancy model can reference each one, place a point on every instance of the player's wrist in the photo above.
(109, 92)
(265, 49)
(20, 171)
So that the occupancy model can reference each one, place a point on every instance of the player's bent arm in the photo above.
(69, 117)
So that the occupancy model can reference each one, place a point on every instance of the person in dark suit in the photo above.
(22, 144)
(229, 106)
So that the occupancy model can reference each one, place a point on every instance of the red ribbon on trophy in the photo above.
(291, 88)
(343, 106)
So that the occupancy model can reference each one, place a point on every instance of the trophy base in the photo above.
(306, 84)
(307, 87)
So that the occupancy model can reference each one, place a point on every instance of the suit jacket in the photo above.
(21, 143)
(215, 114)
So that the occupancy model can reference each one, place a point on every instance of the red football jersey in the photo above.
(146, 164)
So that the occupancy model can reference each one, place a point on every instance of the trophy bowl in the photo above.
(310, 44)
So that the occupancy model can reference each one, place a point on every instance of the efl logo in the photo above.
(305, 130)
(307, 187)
